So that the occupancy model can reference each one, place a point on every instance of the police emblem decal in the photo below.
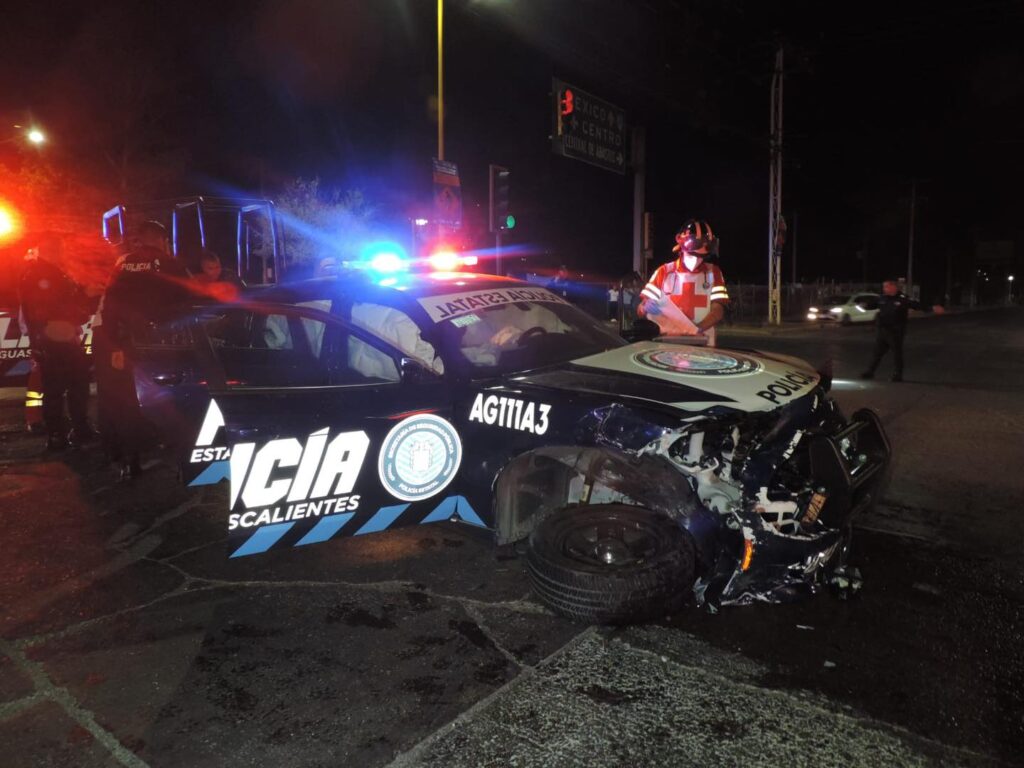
(419, 457)
(696, 362)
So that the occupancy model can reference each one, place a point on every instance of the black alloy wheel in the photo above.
(611, 563)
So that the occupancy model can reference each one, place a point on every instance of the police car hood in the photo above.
(687, 378)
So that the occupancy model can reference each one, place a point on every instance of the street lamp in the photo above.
(31, 135)
(1009, 292)
(440, 79)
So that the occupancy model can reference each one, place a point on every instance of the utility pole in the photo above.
(792, 256)
(949, 277)
(639, 178)
(440, 79)
(775, 197)
(910, 240)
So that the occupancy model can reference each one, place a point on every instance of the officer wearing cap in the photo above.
(147, 283)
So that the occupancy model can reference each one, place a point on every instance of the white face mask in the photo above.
(691, 261)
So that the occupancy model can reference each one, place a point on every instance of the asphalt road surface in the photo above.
(128, 638)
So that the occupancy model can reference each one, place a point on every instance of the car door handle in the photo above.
(169, 379)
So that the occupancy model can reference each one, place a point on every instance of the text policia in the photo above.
(325, 473)
(310, 493)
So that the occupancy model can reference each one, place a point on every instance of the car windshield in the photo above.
(515, 329)
(836, 299)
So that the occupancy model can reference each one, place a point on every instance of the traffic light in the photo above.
(565, 106)
(499, 182)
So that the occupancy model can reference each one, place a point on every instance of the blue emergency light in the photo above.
(384, 258)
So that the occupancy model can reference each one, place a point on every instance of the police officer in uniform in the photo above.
(891, 325)
(54, 308)
(146, 285)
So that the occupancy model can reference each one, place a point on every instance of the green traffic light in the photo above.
(510, 221)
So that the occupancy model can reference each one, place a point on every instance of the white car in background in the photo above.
(858, 308)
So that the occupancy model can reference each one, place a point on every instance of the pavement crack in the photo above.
(190, 550)
(189, 579)
(66, 701)
(413, 756)
(81, 626)
(480, 622)
(11, 709)
(38, 600)
(193, 584)
(165, 518)
(520, 605)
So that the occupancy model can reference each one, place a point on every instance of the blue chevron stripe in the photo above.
(445, 511)
(382, 520)
(453, 507)
(468, 514)
(325, 529)
(263, 539)
(213, 474)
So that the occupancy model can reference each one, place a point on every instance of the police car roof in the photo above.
(413, 284)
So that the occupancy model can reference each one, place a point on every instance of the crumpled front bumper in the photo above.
(777, 567)
(850, 487)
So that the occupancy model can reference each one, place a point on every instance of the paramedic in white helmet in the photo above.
(687, 296)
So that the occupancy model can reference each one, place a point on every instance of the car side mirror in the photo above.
(413, 371)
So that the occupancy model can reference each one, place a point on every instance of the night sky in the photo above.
(173, 98)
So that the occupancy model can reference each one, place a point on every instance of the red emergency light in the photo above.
(10, 222)
(447, 259)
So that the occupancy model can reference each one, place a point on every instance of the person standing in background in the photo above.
(891, 326)
(53, 309)
(146, 284)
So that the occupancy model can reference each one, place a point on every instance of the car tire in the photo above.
(845, 319)
(571, 563)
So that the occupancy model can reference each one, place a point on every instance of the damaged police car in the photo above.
(634, 475)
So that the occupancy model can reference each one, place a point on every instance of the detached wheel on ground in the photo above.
(610, 564)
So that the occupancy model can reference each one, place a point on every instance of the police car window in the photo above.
(265, 349)
(370, 362)
(277, 333)
(522, 335)
(398, 330)
(284, 349)
(314, 330)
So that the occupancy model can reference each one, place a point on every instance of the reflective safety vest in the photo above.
(34, 399)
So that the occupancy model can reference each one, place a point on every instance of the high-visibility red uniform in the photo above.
(691, 291)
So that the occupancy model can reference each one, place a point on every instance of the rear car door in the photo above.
(171, 368)
(324, 427)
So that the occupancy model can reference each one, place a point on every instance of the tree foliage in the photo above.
(322, 222)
